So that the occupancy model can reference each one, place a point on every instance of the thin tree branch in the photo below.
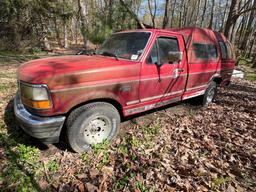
(132, 14)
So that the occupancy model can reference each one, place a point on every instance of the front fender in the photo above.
(64, 102)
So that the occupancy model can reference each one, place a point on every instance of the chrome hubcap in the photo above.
(97, 130)
(210, 95)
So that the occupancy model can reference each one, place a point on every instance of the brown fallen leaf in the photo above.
(91, 188)
(108, 170)
(94, 173)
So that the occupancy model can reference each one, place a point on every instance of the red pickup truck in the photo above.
(133, 71)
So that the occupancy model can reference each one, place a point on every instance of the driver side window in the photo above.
(165, 45)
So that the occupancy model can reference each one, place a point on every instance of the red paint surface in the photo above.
(73, 80)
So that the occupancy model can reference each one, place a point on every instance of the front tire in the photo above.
(91, 124)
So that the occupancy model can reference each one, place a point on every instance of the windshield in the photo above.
(125, 45)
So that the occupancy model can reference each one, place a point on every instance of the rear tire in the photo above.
(91, 124)
(209, 94)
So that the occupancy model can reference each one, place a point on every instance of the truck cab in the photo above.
(134, 71)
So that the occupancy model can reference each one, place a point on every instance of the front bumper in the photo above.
(46, 129)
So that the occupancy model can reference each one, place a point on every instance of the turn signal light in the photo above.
(36, 104)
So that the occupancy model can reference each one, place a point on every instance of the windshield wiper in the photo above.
(106, 53)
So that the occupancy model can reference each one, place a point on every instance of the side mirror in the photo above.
(174, 57)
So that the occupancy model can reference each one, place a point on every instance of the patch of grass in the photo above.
(153, 129)
(123, 182)
(8, 56)
(27, 153)
(23, 168)
(123, 149)
(135, 142)
(7, 75)
(105, 160)
(251, 77)
(217, 182)
(100, 147)
(52, 166)
(3, 87)
(140, 186)
(244, 61)
(248, 180)
(85, 157)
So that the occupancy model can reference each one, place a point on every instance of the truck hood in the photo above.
(60, 72)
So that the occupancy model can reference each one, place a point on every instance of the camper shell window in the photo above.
(205, 51)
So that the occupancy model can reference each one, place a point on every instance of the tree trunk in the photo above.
(65, 35)
(224, 17)
(47, 46)
(152, 15)
(82, 13)
(173, 9)
(203, 15)
(185, 12)
(110, 14)
(249, 27)
(166, 14)
(197, 12)
(233, 33)
(57, 31)
(231, 19)
(180, 18)
(46, 43)
(254, 61)
(211, 18)
(241, 29)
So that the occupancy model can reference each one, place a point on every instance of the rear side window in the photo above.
(223, 50)
(165, 45)
(205, 51)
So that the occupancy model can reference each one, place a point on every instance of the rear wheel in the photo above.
(92, 124)
(209, 94)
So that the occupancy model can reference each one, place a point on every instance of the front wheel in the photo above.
(91, 124)
(209, 94)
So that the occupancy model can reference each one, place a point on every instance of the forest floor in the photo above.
(183, 147)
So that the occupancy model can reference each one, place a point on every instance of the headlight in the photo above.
(35, 96)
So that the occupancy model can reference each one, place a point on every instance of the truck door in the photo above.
(163, 84)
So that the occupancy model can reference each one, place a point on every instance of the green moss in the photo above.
(251, 77)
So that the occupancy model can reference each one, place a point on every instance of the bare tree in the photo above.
(152, 14)
(249, 27)
(166, 14)
(82, 14)
(203, 15)
(197, 12)
(224, 16)
(173, 10)
(234, 13)
(212, 12)
(130, 11)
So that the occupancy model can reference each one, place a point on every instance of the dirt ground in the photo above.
(181, 147)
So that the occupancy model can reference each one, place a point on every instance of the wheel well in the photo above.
(217, 80)
(113, 102)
